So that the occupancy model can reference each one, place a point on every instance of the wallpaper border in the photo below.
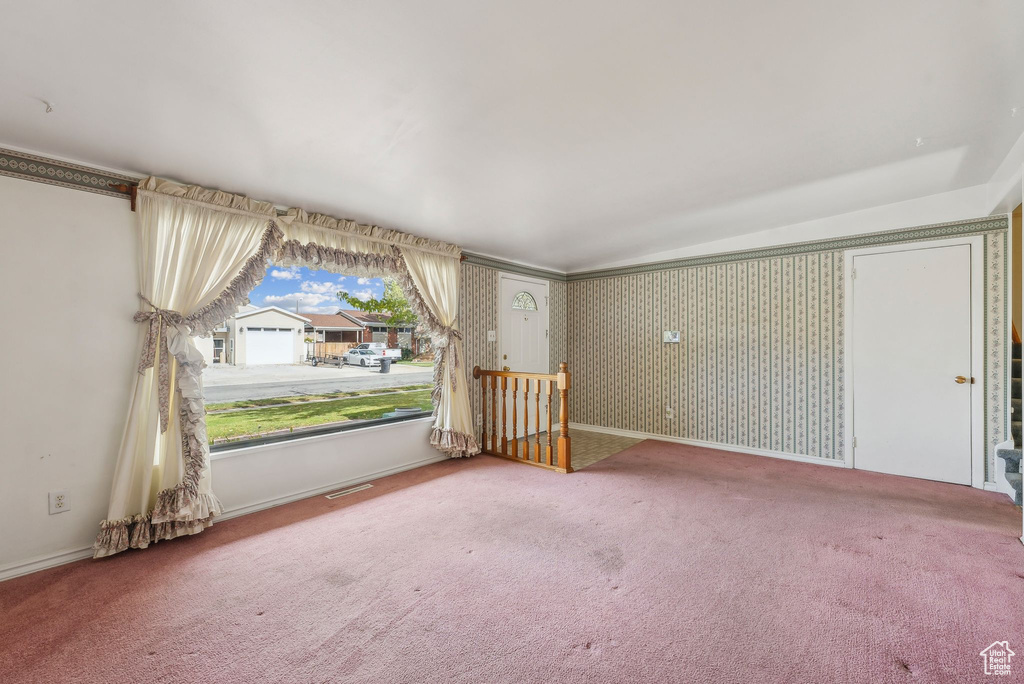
(512, 267)
(927, 232)
(64, 174)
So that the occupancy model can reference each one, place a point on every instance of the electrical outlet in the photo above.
(60, 501)
(669, 413)
(479, 419)
(492, 336)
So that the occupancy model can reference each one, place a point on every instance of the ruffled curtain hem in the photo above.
(139, 531)
(454, 443)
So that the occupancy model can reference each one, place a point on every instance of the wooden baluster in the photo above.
(504, 415)
(550, 385)
(515, 427)
(564, 443)
(526, 419)
(494, 414)
(536, 425)
(483, 412)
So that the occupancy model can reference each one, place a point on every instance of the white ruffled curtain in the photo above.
(200, 253)
(436, 280)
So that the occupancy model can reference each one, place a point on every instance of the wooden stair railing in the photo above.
(516, 448)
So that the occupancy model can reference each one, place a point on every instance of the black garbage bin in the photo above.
(385, 365)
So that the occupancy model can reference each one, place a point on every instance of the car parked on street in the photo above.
(362, 357)
(381, 349)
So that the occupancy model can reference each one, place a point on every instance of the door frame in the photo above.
(977, 245)
(502, 276)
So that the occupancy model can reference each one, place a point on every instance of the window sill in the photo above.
(229, 449)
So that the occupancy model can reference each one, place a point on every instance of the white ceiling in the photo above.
(564, 134)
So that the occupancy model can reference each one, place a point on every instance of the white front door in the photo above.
(523, 303)
(269, 345)
(912, 362)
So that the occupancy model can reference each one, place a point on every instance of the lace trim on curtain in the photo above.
(204, 320)
(182, 509)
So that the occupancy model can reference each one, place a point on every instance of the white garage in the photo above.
(267, 336)
(269, 345)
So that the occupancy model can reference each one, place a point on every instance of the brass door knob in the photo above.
(505, 368)
(959, 379)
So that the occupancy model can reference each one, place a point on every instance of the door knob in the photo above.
(506, 369)
(959, 379)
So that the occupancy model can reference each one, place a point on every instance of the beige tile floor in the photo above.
(589, 447)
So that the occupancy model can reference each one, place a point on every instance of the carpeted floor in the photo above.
(663, 563)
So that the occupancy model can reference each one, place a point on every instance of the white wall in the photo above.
(68, 267)
(305, 466)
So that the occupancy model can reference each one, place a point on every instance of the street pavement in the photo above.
(239, 385)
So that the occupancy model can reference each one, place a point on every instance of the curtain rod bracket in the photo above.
(130, 190)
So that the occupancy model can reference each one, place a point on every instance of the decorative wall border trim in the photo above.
(512, 267)
(65, 174)
(888, 237)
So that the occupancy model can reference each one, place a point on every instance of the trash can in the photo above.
(385, 365)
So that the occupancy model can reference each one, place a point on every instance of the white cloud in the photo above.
(363, 294)
(318, 288)
(307, 302)
(364, 281)
(290, 274)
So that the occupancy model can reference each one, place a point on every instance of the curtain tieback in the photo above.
(156, 336)
(450, 337)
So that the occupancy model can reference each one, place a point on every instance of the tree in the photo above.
(392, 302)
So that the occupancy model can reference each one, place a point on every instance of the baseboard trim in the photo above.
(814, 460)
(70, 556)
(44, 562)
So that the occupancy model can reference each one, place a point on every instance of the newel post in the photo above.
(564, 443)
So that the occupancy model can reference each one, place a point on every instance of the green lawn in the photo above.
(418, 364)
(258, 421)
(298, 399)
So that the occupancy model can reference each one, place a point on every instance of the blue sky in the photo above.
(313, 291)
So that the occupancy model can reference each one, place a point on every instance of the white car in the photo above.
(361, 357)
(381, 349)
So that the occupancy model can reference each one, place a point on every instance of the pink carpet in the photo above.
(664, 563)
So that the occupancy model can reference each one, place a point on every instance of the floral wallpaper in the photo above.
(758, 364)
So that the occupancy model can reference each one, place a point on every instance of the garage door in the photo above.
(269, 345)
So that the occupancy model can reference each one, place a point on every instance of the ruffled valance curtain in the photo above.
(200, 254)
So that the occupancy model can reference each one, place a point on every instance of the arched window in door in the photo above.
(524, 301)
